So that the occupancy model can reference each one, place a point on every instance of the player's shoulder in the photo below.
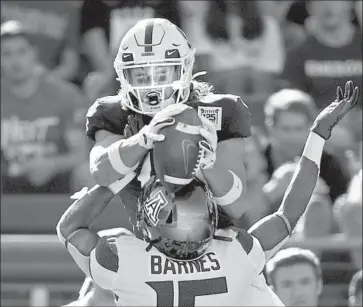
(107, 248)
(104, 104)
(229, 113)
(239, 235)
(106, 113)
(223, 100)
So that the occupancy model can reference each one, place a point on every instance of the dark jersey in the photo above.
(229, 114)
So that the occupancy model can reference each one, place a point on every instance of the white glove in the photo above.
(208, 146)
(150, 133)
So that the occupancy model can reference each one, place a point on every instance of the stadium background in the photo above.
(35, 269)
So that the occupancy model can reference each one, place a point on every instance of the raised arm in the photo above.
(73, 227)
(273, 230)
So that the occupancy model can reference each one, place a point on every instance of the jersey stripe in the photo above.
(149, 36)
(244, 238)
(106, 255)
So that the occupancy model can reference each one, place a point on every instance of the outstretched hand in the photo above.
(332, 114)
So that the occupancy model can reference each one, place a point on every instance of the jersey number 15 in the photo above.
(188, 290)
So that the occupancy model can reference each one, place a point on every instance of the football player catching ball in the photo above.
(185, 258)
(154, 66)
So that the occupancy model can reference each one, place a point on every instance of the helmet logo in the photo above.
(172, 54)
(186, 144)
(127, 57)
(153, 205)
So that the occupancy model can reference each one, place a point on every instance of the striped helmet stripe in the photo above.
(149, 36)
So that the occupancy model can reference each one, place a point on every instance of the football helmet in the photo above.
(154, 65)
(181, 225)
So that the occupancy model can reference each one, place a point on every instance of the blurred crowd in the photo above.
(284, 58)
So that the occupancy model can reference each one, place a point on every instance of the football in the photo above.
(175, 158)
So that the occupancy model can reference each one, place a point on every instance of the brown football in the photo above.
(176, 157)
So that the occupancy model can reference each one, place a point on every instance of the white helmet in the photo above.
(154, 65)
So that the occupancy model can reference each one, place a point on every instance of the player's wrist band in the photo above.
(116, 161)
(233, 194)
(314, 148)
(281, 215)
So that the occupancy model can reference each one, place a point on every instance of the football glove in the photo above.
(332, 114)
(207, 147)
(150, 133)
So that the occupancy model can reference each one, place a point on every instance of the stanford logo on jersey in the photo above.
(153, 206)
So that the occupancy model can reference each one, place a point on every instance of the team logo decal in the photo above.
(214, 114)
(153, 206)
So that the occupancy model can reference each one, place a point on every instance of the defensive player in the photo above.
(154, 65)
(183, 261)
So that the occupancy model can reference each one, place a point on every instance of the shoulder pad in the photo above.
(240, 118)
(230, 114)
(105, 114)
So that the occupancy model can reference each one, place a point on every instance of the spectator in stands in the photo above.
(332, 51)
(288, 116)
(296, 277)
(358, 11)
(103, 24)
(292, 33)
(193, 18)
(318, 220)
(348, 211)
(246, 49)
(54, 28)
(42, 137)
(256, 177)
(355, 290)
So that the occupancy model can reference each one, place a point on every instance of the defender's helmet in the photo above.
(154, 65)
(179, 225)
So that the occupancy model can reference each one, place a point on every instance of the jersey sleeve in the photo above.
(236, 118)
(104, 263)
(252, 247)
(240, 123)
(104, 114)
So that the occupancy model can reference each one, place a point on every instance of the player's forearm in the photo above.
(84, 211)
(227, 188)
(115, 161)
(272, 231)
(302, 186)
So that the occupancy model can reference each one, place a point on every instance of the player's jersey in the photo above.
(221, 277)
(260, 294)
(229, 113)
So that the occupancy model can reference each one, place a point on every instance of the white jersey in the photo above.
(260, 294)
(221, 277)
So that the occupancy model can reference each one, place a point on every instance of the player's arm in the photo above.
(85, 246)
(227, 177)
(272, 231)
(115, 157)
(106, 126)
